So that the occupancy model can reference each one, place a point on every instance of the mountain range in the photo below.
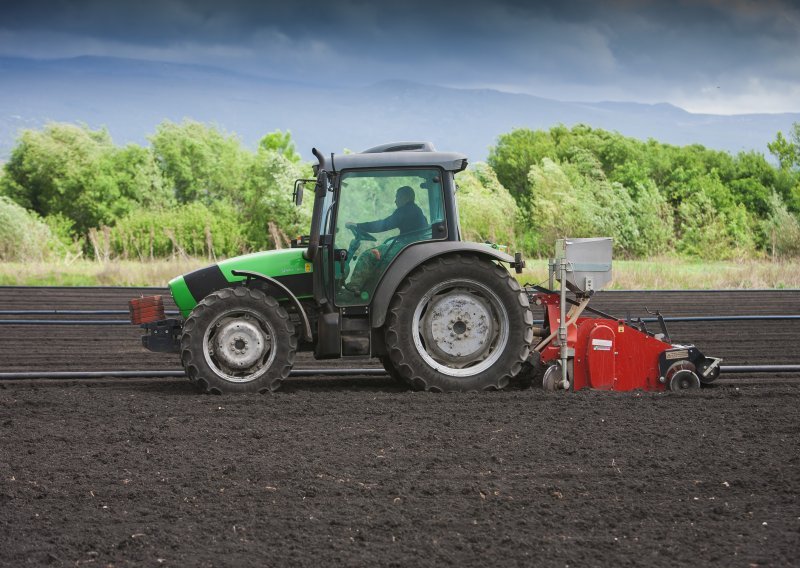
(131, 97)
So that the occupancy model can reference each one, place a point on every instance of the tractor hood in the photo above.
(287, 266)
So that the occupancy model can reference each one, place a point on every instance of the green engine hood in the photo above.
(288, 266)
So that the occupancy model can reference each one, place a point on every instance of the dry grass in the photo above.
(91, 273)
(682, 274)
(663, 273)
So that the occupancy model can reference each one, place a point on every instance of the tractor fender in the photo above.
(411, 258)
(292, 298)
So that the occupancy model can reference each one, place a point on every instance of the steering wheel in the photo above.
(359, 234)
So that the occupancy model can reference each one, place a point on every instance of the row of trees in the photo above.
(195, 190)
(653, 198)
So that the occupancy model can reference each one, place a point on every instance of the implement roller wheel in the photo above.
(552, 378)
(684, 380)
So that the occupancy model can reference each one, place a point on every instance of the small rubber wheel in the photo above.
(238, 340)
(459, 323)
(684, 380)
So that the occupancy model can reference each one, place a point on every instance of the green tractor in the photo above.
(384, 273)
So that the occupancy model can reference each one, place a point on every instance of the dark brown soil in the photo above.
(359, 472)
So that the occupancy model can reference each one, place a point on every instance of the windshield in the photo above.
(380, 212)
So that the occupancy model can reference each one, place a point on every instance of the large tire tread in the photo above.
(412, 369)
(192, 354)
(389, 366)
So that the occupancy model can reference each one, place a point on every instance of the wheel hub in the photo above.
(458, 328)
(240, 344)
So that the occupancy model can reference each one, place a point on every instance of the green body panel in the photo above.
(180, 293)
(273, 263)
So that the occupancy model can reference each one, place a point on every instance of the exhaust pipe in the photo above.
(316, 217)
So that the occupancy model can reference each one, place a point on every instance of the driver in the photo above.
(408, 217)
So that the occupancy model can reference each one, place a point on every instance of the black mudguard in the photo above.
(412, 257)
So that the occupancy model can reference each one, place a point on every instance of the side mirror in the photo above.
(298, 193)
(299, 187)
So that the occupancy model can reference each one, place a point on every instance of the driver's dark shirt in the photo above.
(407, 218)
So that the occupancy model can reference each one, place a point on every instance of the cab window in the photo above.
(380, 212)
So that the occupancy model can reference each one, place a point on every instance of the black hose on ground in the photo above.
(370, 371)
(174, 373)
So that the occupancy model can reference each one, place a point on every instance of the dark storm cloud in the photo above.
(703, 52)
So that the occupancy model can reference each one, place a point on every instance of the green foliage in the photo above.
(514, 155)
(782, 230)
(24, 236)
(711, 223)
(191, 229)
(787, 151)
(649, 196)
(280, 143)
(79, 174)
(199, 191)
(266, 198)
(79, 182)
(199, 162)
(556, 208)
(486, 207)
(574, 199)
(654, 220)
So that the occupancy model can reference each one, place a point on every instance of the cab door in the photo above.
(360, 257)
(328, 343)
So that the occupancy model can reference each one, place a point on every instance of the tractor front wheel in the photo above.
(459, 323)
(238, 340)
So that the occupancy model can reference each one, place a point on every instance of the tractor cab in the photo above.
(368, 209)
(374, 205)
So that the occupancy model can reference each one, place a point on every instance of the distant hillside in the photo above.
(130, 97)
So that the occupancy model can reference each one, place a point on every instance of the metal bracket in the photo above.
(661, 322)
(163, 336)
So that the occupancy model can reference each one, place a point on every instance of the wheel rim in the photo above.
(684, 380)
(460, 328)
(551, 378)
(238, 345)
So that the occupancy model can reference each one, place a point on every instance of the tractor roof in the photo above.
(399, 154)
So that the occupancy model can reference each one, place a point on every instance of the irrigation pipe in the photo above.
(72, 312)
(127, 322)
(168, 374)
(724, 370)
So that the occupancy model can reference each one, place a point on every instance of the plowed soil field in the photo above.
(357, 471)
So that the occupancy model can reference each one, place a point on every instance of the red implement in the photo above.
(610, 354)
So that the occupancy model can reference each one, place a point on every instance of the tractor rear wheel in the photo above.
(531, 374)
(387, 364)
(459, 323)
(238, 340)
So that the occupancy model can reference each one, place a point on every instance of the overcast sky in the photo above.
(712, 56)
